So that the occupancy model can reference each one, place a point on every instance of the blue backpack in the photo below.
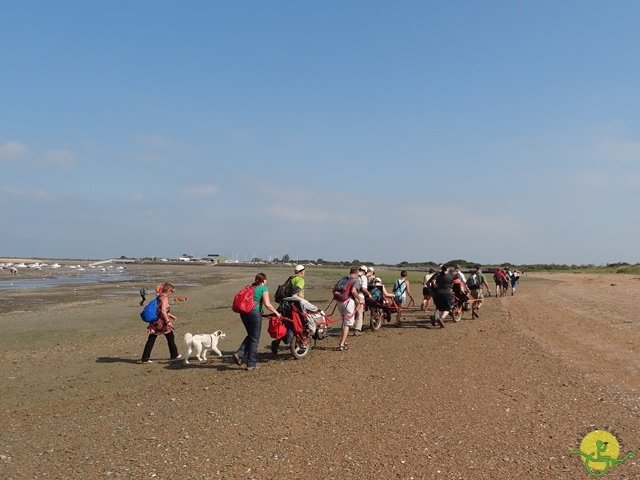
(399, 288)
(376, 293)
(150, 312)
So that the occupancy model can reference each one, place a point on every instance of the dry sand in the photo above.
(501, 397)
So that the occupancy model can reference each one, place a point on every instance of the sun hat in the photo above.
(377, 280)
(299, 268)
(363, 268)
(370, 269)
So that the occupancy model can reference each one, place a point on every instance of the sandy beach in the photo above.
(505, 396)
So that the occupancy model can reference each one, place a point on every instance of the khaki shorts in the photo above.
(347, 312)
(476, 293)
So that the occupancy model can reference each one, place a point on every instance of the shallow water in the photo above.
(150, 293)
(37, 283)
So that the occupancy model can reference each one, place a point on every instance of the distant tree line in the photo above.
(618, 267)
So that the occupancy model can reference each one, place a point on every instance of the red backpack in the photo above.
(276, 328)
(342, 289)
(243, 301)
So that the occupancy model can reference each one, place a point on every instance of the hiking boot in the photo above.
(441, 323)
(274, 346)
(433, 320)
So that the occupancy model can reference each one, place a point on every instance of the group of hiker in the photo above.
(505, 278)
(446, 288)
(352, 294)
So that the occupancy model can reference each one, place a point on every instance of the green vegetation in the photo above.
(620, 267)
(342, 265)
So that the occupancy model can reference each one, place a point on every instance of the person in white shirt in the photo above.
(459, 272)
(364, 292)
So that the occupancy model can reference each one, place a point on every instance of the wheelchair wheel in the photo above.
(300, 350)
(456, 314)
(376, 319)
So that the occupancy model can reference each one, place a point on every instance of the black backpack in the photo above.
(473, 282)
(283, 290)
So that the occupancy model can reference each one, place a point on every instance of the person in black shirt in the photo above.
(442, 295)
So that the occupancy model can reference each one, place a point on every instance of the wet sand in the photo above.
(505, 396)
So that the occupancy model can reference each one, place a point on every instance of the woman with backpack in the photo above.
(426, 289)
(162, 326)
(400, 291)
(253, 323)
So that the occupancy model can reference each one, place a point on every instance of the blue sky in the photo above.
(497, 131)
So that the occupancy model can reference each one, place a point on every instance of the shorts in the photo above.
(347, 311)
(443, 301)
(476, 293)
(426, 292)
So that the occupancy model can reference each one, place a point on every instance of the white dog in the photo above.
(202, 343)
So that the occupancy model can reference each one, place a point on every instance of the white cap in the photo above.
(299, 268)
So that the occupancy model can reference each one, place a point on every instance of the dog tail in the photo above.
(187, 338)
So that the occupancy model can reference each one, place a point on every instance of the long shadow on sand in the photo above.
(116, 360)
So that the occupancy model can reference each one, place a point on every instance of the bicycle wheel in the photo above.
(376, 319)
(456, 314)
(300, 350)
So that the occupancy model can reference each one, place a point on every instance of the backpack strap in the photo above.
(398, 285)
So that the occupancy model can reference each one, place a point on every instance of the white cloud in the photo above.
(631, 179)
(137, 197)
(592, 178)
(145, 157)
(200, 191)
(241, 134)
(58, 158)
(11, 150)
(622, 150)
(312, 206)
(310, 215)
(155, 141)
(610, 179)
(17, 194)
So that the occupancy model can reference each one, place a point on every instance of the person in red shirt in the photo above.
(459, 289)
(501, 283)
